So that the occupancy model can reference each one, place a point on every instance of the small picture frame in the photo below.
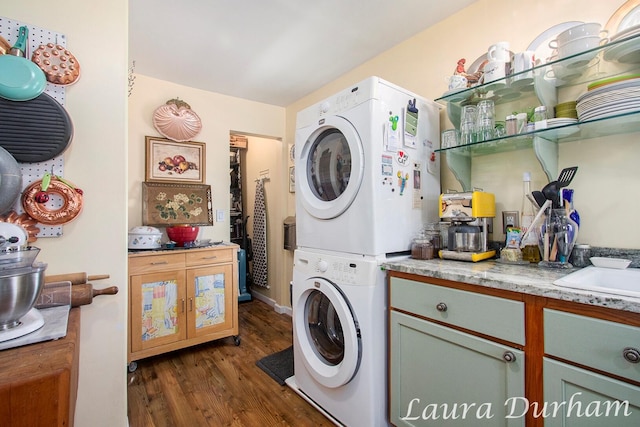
(171, 161)
(166, 205)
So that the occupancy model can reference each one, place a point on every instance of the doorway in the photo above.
(253, 158)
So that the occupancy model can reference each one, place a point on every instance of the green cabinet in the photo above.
(579, 385)
(468, 355)
(578, 397)
(442, 375)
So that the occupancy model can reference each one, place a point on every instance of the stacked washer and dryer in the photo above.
(367, 179)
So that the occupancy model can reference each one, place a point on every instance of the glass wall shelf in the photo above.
(616, 124)
(590, 68)
(609, 60)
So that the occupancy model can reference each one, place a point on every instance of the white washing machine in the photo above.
(367, 176)
(339, 336)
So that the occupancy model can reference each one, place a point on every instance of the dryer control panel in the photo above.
(346, 270)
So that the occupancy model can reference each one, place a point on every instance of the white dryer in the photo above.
(367, 176)
(339, 336)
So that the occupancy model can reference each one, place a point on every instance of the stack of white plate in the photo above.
(624, 47)
(564, 126)
(561, 121)
(609, 100)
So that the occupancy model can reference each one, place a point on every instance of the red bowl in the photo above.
(182, 235)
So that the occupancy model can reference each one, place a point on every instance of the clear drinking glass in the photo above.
(485, 120)
(449, 138)
(467, 124)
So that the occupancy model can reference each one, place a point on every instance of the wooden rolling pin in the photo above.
(74, 278)
(58, 293)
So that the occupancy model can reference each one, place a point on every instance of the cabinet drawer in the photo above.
(497, 317)
(599, 344)
(154, 263)
(214, 256)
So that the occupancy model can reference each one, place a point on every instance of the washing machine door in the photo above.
(331, 168)
(327, 333)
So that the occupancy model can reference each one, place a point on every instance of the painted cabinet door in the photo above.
(209, 299)
(443, 377)
(157, 309)
(584, 399)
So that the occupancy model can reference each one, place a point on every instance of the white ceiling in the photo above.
(271, 51)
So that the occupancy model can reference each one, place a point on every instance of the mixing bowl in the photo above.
(183, 235)
(19, 290)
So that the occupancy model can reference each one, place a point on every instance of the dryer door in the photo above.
(330, 169)
(328, 333)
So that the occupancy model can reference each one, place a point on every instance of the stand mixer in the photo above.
(470, 214)
(21, 280)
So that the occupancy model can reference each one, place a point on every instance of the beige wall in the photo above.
(219, 114)
(608, 166)
(96, 161)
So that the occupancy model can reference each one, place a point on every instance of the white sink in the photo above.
(608, 280)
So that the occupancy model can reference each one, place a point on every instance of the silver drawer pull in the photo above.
(509, 357)
(631, 355)
(442, 307)
(159, 263)
(210, 257)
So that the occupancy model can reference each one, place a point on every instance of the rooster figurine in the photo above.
(472, 78)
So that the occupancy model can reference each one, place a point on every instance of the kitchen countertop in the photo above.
(532, 280)
(164, 248)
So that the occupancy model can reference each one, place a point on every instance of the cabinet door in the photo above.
(583, 398)
(440, 376)
(209, 299)
(157, 309)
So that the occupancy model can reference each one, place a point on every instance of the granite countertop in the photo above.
(528, 279)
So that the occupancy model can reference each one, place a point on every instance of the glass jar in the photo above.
(511, 124)
(421, 248)
(580, 256)
(540, 113)
(557, 236)
(540, 117)
(432, 233)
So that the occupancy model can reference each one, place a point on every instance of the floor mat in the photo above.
(278, 366)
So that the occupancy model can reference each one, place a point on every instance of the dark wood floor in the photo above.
(219, 384)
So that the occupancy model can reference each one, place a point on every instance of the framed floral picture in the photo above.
(175, 204)
(170, 161)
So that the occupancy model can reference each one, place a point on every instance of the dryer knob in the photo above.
(323, 266)
(324, 107)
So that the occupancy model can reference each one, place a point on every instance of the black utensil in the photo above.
(566, 176)
(539, 197)
(550, 192)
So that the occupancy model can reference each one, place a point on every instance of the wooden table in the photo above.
(39, 382)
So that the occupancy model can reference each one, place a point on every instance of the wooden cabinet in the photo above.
(181, 298)
(440, 371)
(39, 382)
(454, 344)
